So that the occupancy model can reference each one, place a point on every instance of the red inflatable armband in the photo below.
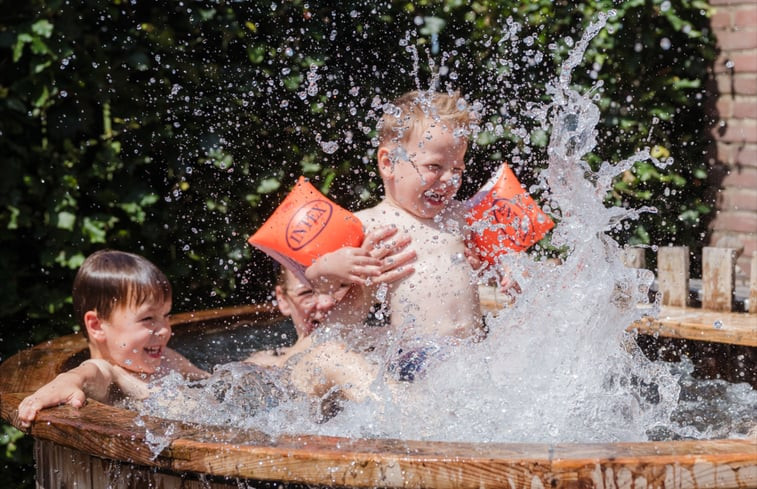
(504, 217)
(304, 226)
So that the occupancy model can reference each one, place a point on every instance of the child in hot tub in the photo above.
(122, 302)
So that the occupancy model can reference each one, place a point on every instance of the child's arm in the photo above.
(378, 260)
(173, 360)
(90, 379)
(330, 365)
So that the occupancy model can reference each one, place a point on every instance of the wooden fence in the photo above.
(711, 308)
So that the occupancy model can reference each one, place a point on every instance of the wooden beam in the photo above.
(718, 278)
(634, 257)
(673, 275)
(753, 285)
(696, 324)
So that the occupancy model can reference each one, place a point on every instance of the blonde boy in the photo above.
(421, 159)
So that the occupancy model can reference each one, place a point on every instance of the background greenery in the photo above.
(174, 129)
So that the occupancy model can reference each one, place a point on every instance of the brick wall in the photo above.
(735, 153)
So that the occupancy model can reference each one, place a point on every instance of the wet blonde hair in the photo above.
(416, 110)
(110, 279)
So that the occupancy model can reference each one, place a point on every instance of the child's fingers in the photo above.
(77, 400)
(391, 247)
(375, 236)
(395, 274)
(27, 411)
(397, 260)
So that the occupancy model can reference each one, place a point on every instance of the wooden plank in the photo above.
(718, 278)
(634, 257)
(753, 285)
(28, 370)
(62, 467)
(673, 275)
(695, 324)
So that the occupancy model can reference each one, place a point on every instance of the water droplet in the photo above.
(329, 147)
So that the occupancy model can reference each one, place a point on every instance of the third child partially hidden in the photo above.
(421, 159)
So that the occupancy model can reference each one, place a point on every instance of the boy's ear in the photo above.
(385, 165)
(94, 325)
(282, 303)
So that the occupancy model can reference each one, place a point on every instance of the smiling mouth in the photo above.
(435, 198)
(154, 351)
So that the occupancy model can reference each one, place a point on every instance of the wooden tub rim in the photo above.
(108, 432)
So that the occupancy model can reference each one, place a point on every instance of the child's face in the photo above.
(427, 171)
(307, 308)
(135, 337)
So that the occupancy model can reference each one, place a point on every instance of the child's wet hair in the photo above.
(109, 279)
(415, 110)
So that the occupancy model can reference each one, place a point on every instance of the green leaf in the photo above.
(42, 98)
(94, 229)
(13, 219)
(66, 220)
(42, 28)
(18, 48)
(268, 185)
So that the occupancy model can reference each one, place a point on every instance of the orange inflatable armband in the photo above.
(305, 226)
(504, 217)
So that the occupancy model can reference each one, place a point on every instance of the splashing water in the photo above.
(557, 365)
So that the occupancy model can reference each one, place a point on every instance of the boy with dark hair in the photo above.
(122, 302)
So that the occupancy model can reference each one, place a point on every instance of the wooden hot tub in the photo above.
(102, 446)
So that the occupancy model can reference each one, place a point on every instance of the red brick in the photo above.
(744, 108)
(729, 40)
(750, 245)
(745, 84)
(721, 20)
(745, 62)
(724, 152)
(738, 222)
(727, 3)
(745, 155)
(736, 131)
(745, 16)
(737, 62)
(747, 240)
(724, 107)
(738, 199)
(741, 178)
(742, 84)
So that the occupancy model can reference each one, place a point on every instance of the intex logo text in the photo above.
(307, 223)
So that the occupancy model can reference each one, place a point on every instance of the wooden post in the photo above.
(718, 278)
(634, 257)
(673, 275)
(753, 285)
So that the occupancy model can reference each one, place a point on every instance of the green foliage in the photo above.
(174, 131)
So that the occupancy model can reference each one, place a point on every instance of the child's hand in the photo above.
(509, 287)
(384, 244)
(475, 262)
(61, 390)
(346, 265)
(380, 259)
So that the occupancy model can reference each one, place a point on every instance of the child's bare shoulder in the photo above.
(382, 214)
(175, 361)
